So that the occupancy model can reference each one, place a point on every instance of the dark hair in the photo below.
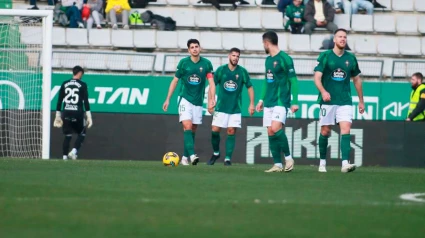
(234, 49)
(270, 36)
(418, 75)
(340, 29)
(192, 41)
(77, 69)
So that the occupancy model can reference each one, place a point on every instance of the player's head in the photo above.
(416, 79)
(78, 72)
(193, 47)
(234, 55)
(269, 40)
(340, 38)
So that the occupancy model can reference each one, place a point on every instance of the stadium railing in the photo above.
(405, 68)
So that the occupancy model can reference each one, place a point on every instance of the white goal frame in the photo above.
(47, 28)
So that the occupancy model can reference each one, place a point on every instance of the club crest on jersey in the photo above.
(274, 64)
(200, 69)
(237, 76)
(230, 86)
(347, 63)
(269, 76)
(194, 79)
(338, 75)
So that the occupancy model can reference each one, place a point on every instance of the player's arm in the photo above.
(87, 106)
(171, 89)
(58, 120)
(211, 91)
(358, 84)
(318, 73)
(250, 88)
(259, 106)
(292, 76)
(420, 107)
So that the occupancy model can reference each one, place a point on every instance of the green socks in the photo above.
(188, 143)
(215, 141)
(345, 146)
(284, 145)
(323, 146)
(274, 145)
(230, 146)
(185, 154)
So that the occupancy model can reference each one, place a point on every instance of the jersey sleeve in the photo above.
(289, 66)
(86, 98)
(355, 70)
(320, 63)
(60, 98)
(217, 76)
(210, 70)
(180, 70)
(246, 79)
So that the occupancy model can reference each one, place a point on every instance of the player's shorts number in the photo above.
(182, 108)
(323, 111)
(71, 95)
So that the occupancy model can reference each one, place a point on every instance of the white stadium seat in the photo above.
(410, 46)
(403, 5)
(178, 2)
(100, 37)
(420, 5)
(227, 19)
(253, 41)
(232, 39)
(299, 43)
(316, 41)
(166, 39)
(31, 35)
(184, 17)
(59, 36)
(423, 45)
(144, 38)
(272, 20)
(407, 24)
(206, 18)
(362, 23)
(342, 21)
(76, 36)
(365, 45)
(388, 45)
(122, 38)
(384, 23)
(283, 41)
(250, 19)
(210, 40)
(421, 27)
(184, 36)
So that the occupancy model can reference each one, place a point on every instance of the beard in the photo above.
(232, 63)
(414, 86)
(341, 47)
(266, 50)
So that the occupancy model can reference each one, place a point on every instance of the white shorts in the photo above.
(331, 113)
(188, 111)
(225, 120)
(277, 113)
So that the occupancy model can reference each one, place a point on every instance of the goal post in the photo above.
(25, 82)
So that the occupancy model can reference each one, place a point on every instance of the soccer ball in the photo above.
(171, 159)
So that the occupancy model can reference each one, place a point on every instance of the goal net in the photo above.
(25, 81)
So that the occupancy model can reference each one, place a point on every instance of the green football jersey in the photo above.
(337, 72)
(229, 88)
(277, 85)
(192, 78)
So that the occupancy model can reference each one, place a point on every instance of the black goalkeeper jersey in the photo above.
(73, 94)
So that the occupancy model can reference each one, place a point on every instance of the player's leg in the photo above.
(234, 122)
(279, 115)
(344, 115)
(219, 121)
(326, 120)
(185, 117)
(67, 132)
(274, 145)
(78, 126)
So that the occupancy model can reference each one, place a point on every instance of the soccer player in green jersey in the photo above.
(193, 72)
(332, 77)
(230, 79)
(280, 82)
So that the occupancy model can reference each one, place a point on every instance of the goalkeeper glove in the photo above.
(89, 120)
(58, 120)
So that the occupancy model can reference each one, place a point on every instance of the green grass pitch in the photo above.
(88, 198)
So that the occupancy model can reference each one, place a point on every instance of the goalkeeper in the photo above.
(72, 95)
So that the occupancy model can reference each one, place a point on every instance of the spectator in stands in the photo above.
(341, 6)
(34, 4)
(295, 13)
(319, 13)
(72, 10)
(120, 8)
(95, 13)
(363, 4)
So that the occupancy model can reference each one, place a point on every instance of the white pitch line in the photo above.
(414, 197)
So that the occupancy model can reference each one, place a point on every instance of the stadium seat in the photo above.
(388, 45)
(159, 3)
(423, 45)
(272, 20)
(386, 3)
(227, 19)
(178, 2)
(76, 36)
(342, 21)
(410, 46)
(166, 39)
(122, 38)
(403, 5)
(407, 24)
(118, 62)
(299, 43)
(253, 41)
(144, 38)
(365, 45)
(141, 63)
(362, 23)
(210, 40)
(206, 18)
(184, 17)
(384, 23)
(250, 19)
(420, 5)
(100, 37)
(95, 61)
(59, 36)
(184, 36)
(232, 39)
(283, 41)
(316, 41)
(31, 35)
(159, 10)
(421, 27)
